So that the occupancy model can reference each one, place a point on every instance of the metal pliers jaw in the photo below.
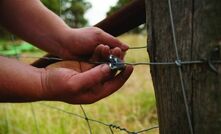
(115, 63)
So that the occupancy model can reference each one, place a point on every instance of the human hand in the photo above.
(82, 42)
(83, 83)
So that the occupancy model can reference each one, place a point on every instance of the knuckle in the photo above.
(97, 31)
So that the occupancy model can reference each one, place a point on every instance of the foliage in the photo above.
(119, 5)
(11, 48)
(72, 11)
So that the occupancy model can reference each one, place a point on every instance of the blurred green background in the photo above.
(132, 107)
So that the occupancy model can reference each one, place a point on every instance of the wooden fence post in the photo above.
(198, 31)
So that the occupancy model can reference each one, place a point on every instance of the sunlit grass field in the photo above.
(132, 107)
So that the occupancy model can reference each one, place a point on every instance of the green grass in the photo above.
(132, 107)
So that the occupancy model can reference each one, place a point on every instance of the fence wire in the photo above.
(179, 69)
(178, 63)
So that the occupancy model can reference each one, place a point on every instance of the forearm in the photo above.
(33, 22)
(19, 82)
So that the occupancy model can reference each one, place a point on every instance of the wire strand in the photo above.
(126, 63)
(139, 47)
(86, 118)
(97, 121)
(179, 68)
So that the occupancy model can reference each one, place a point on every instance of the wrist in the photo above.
(55, 42)
(19, 82)
(66, 38)
(40, 94)
(33, 90)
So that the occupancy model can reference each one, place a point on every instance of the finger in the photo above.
(101, 53)
(112, 86)
(117, 52)
(91, 77)
(97, 52)
(111, 41)
(106, 52)
(118, 81)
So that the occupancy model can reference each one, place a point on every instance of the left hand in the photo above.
(81, 82)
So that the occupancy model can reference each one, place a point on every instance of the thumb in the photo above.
(94, 76)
